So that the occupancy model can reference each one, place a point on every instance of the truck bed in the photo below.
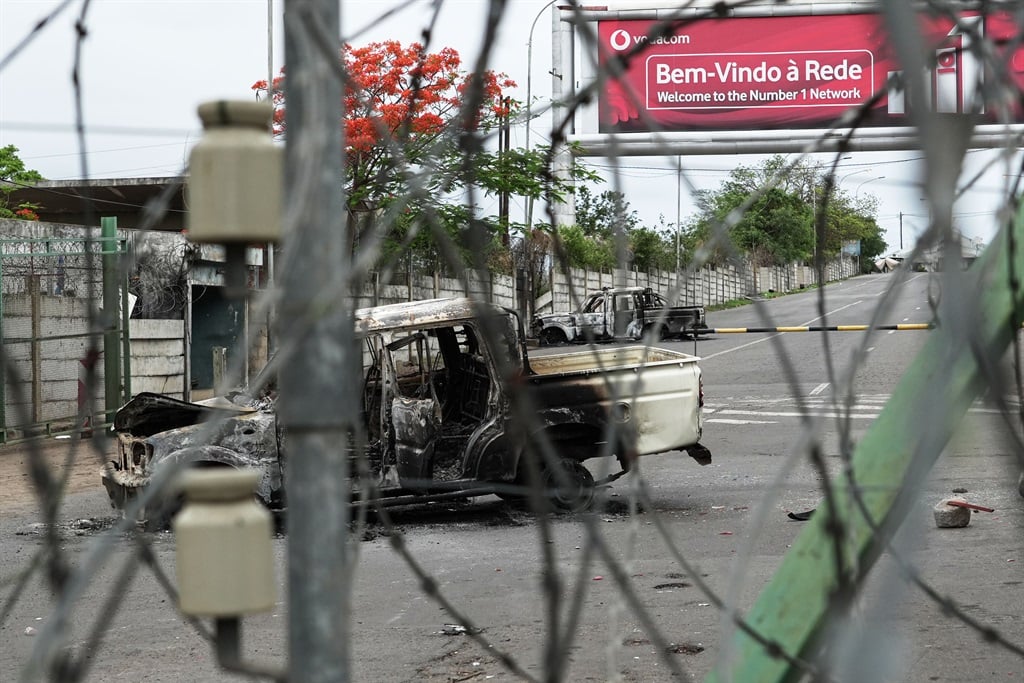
(604, 359)
(652, 394)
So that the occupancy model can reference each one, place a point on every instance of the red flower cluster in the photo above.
(395, 90)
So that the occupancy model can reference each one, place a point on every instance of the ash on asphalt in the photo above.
(76, 527)
(485, 511)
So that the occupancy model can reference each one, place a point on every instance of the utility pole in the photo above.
(319, 364)
(271, 332)
(504, 146)
(679, 207)
(112, 394)
(901, 231)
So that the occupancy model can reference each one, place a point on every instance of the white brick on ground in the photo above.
(951, 516)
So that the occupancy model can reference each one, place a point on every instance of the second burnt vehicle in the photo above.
(446, 386)
(619, 313)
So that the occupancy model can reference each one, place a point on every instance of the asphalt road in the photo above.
(727, 521)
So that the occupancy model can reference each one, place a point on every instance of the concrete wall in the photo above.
(158, 356)
(46, 340)
(487, 285)
(709, 286)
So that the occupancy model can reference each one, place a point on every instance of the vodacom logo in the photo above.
(620, 39)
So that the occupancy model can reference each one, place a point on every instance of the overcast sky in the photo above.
(147, 64)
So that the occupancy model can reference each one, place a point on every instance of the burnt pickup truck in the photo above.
(619, 313)
(452, 406)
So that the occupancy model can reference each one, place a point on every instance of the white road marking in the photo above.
(814, 320)
(859, 416)
(741, 422)
(818, 389)
(820, 408)
(985, 411)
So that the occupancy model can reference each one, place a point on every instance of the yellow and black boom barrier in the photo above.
(818, 328)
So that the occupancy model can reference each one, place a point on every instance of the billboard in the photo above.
(791, 72)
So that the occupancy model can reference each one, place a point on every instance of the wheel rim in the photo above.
(571, 488)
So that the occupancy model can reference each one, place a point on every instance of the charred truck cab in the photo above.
(435, 410)
(452, 406)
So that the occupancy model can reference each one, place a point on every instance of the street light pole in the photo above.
(856, 195)
(881, 177)
(529, 99)
(840, 183)
(271, 323)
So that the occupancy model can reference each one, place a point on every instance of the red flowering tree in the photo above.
(14, 174)
(399, 101)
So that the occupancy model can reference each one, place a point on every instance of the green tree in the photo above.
(871, 247)
(13, 175)
(583, 251)
(605, 213)
(778, 227)
(652, 249)
(604, 224)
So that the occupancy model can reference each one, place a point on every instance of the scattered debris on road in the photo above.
(970, 506)
(685, 648)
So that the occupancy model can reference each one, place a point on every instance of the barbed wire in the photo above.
(68, 576)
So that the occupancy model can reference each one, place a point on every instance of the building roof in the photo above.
(84, 202)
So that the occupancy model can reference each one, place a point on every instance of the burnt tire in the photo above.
(655, 333)
(568, 485)
(552, 336)
(158, 514)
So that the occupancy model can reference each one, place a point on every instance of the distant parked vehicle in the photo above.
(888, 263)
(619, 313)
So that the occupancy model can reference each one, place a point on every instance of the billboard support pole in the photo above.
(562, 78)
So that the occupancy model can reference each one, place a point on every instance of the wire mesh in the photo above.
(105, 599)
(48, 330)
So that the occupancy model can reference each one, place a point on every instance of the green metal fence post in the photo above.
(126, 340)
(111, 342)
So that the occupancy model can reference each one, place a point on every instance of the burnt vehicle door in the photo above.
(415, 409)
(437, 391)
(622, 314)
(593, 318)
(649, 307)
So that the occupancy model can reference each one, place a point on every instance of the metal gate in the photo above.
(64, 345)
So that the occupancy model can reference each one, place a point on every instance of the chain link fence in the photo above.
(80, 602)
(51, 295)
